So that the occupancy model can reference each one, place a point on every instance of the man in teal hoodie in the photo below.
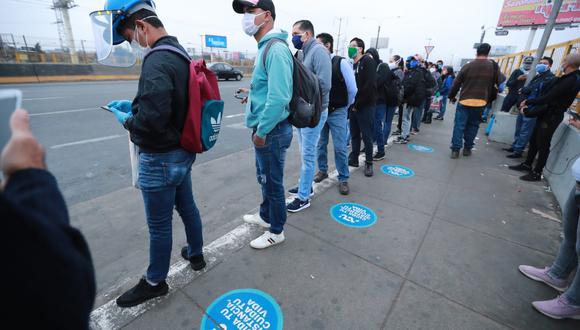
(267, 116)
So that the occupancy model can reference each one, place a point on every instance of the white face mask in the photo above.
(249, 25)
(393, 66)
(432, 70)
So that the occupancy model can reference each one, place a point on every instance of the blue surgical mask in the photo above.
(297, 41)
(541, 68)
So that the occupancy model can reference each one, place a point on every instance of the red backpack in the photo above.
(205, 107)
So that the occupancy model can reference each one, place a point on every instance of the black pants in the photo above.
(541, 141)
(400, 123)
(427, 114)
(361, 124)
(509, 101)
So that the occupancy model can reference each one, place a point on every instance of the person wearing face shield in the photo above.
(549, 110)
(516, 81)
(155, 120)
(525, 126)
(267, 115)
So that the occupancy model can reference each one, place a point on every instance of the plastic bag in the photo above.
(134, 155)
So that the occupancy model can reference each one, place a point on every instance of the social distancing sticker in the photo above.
(244, 309)
(353, 215)
(398, 171)
(420, 148)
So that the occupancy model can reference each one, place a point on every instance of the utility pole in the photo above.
(556, 6)
(65, 34)
(337, 42)
(378, 35)
(201, 39)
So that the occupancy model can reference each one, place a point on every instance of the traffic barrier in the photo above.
(504, 124)
(565, 150)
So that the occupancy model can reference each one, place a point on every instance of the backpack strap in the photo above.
(170, 48)
(267, 49)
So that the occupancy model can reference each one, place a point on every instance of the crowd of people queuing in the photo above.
(361, 95)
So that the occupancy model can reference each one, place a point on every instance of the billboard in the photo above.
(216, 41)
(526, 13)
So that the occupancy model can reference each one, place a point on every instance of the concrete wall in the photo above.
(565, 150)
(16, 73)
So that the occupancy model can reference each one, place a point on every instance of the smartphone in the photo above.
(106, 108)
(10, 100)
(240, 95)
(574, 114)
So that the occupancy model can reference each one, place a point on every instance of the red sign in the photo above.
(518, 13)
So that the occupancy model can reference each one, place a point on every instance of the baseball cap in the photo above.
(529, 59)
(262, 4)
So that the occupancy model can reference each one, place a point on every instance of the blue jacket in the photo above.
(317, 60)
(271, 89)
(446, 86)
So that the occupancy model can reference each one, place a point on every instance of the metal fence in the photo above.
(557, 52)
(30, 49)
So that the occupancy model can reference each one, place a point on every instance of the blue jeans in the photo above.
(569, 253)
(524, 130)
(383, 122)
(270, 161)
(418, 116)
(165, 181)
(486, 112)
(444, 101)
(337, 125)
(467, 120)
(407, 117)
(509, 102)
(309, 138)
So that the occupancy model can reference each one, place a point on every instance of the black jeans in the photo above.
(509, 101)
(361, 124)
(541, 142)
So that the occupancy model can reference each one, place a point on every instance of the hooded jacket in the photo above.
(271, 89)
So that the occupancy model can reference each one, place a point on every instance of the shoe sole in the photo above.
(576, 317)
(300, 209)
(378, 159)
(537, 279)
(142, 301)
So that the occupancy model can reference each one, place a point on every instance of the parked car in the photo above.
(226, 71)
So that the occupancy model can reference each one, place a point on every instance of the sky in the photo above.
(452, 26)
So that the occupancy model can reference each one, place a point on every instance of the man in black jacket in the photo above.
(155, 119)
(362, 114)
(48, 267)
(414, 98)
(516, 82)
(549, 108)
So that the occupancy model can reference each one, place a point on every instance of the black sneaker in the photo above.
(343, 188)
(532, 177)
(294, 191)
(454, 154)
(297, 205)
(398, 132)
(197, 262)
(523, 167)
(141, 293)
(402, 140)
(369, 170)
(510, 150)
(467, 152)
(353, 163)
(320, 176)
(379, 156)
(515, 155)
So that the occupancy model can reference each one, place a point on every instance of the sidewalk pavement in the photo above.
(443, 253)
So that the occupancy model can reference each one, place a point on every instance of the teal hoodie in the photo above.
(271, 89)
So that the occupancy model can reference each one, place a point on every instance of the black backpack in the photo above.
(392, 89)
(306, 103)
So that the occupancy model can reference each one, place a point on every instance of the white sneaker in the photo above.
(267, 240)
(255, 219)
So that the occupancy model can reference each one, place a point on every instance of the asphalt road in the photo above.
(87, 149)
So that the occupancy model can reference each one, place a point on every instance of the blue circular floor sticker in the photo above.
(420, 148)
(353, 215)
(398, 171)
(244, 309)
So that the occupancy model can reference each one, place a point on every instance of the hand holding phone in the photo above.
(10, 100)
(107, 109)
(242, 94)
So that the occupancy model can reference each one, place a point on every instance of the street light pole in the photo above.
(557, 5)
(378, 35)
